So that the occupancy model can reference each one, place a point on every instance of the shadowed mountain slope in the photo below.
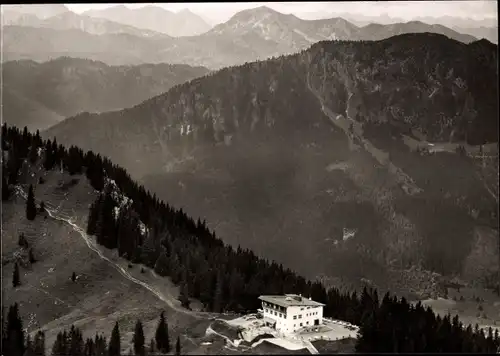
(321, 141)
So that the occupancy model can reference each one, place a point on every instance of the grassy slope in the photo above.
(99, 297)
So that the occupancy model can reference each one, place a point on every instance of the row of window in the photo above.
(273, 306)
(281, 315)
(300, 315)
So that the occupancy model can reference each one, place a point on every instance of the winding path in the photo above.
(168, 299)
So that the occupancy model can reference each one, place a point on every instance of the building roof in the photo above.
(289, 300)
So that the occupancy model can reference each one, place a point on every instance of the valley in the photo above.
(39, 95)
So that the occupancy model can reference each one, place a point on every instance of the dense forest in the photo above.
(148, 231)
(71, 342)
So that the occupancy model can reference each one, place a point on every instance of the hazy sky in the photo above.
(407, 10)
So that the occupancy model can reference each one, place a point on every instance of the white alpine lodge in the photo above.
(290, 312)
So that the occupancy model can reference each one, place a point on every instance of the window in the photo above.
(301, 308)
(300, 316)
(294, 317)
(275, 313)
(280, 315)
(300, 324)
(307, 323)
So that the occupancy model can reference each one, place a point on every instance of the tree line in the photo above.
(16, 342)
(219, 276)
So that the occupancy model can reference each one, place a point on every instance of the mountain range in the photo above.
(38, 95)
(154, 18)
(45, 11)
(70, 21)
(363, 137)
(250, 35)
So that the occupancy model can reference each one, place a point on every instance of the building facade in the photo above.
(291, 312)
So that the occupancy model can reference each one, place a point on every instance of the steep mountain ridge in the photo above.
(10, 12)
(72, 21)
(68, 86)
(316, 140)
(154, 18)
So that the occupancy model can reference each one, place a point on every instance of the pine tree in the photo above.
(15, 276)
(15, 332)
(33, 153)
(178, 347)
(29, 350)
(30, 205)
(89, 348)
(114, 342)
(138, 339)
(60, 346)
(161, 336)
(100, 346)
(161, 265)
(73, 277)
(39, 343)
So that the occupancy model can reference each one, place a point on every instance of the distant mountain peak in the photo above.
(185, 11)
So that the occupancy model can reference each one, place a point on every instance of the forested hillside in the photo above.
(148, 231)
(320, 141)
(42, 94)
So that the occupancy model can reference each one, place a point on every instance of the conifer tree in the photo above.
(161, 265)
(178, 347)
(114, 342)
(39, 343)
(29, 349)
(30, 204)
(138, 339)
(73, 277)
(15, 332)
(16, 281)
(161, 336)
(89, 348)
(33, 154)
(100, 346)
(60, 346)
